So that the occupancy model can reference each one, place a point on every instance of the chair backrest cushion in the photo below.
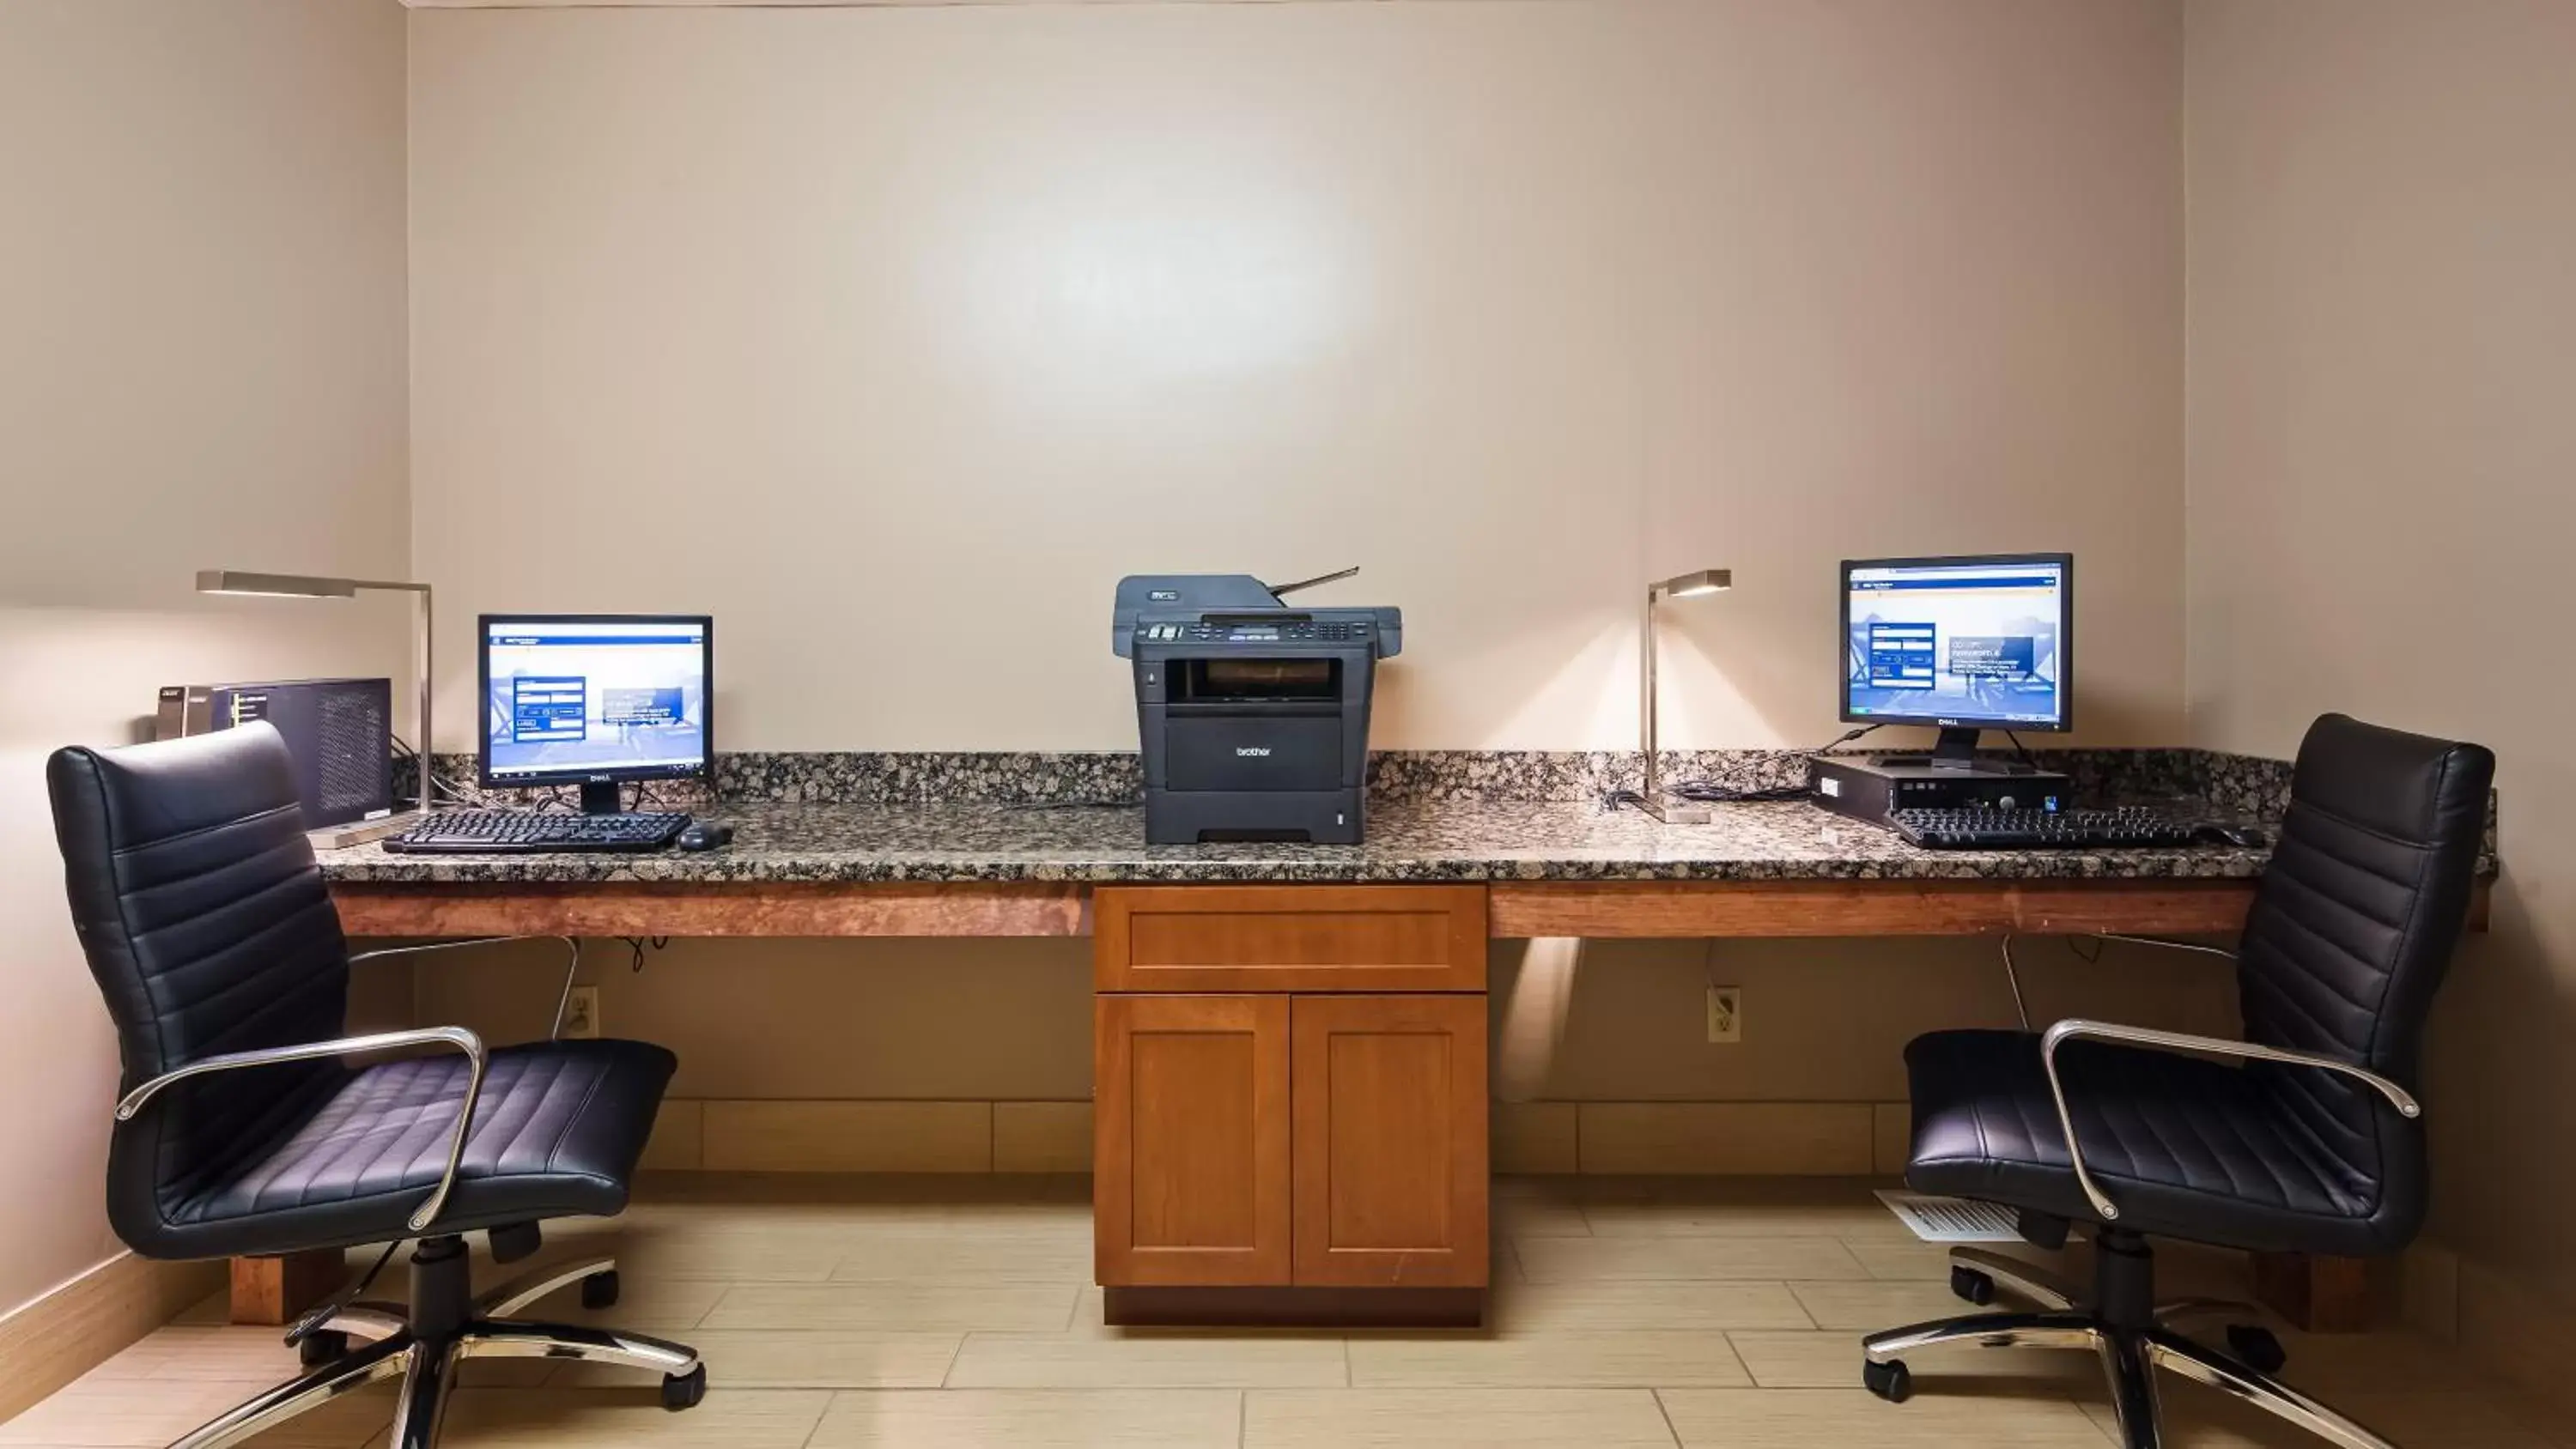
(2352, 929)
(209, 930)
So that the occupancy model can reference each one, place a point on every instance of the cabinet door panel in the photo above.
(1389, 1099)
(1191, 1140)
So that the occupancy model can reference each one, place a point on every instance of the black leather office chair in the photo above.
(2314, 1144)
(245, 1130)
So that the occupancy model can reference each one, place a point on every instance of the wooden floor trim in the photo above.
(54, 1339)
(1717, 1138)
(864, 1134)
(2510, 1321)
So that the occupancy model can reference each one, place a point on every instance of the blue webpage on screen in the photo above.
(1976, 643)
(622, 695)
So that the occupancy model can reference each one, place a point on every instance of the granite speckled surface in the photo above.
(1448, 815)
(1395, 776)
(1413, 841)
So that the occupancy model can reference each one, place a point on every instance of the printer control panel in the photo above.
(1305, 632)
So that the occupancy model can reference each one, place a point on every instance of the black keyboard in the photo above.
(2125, 828)
(520, 832)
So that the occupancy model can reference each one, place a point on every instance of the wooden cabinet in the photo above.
(1387, 1094)
(1315, 1125)
(1191, 1151)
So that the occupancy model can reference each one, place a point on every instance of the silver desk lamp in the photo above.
(306, 586)
(1681, 586)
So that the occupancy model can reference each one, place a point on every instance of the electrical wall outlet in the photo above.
(1726, 1014)
(581, 1014)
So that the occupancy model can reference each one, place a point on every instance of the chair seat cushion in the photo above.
(2185, 1146)
(556, 1133)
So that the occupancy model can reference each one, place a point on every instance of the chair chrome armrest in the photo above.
(448, 1036)
(563, 998)
(2064, 1031)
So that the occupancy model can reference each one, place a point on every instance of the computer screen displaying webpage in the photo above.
(566, 697)
(1976, 643)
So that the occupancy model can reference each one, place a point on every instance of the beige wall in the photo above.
(2381, 452)
(1826, 1020)
(835, 322)
(203, 364)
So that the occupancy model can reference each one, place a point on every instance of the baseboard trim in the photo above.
(54, 1339)
(2510, 1327)
(870, 1135)
(1727, 1139)
(1766, 1139)
(2428, 1290)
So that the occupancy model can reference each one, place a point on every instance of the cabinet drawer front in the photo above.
(1190, 1151)
(1388, 1096)
(1289, 938)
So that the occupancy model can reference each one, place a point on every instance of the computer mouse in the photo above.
(705, 835)
(2245, 837)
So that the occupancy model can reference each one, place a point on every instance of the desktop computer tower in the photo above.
(339, 731)
(1869, 789)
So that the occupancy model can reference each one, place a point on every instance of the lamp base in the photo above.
(1678, 812)
(359, 832)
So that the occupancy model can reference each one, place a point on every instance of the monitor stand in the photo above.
(1957, 750)
(608, 797)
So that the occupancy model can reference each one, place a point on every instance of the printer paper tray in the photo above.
(1272, 750)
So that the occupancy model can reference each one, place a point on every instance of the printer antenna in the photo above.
(1283, 590)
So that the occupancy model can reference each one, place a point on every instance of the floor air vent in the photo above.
(1952, 1219)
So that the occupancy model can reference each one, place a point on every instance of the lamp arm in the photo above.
(1650, 793)
(1650, 742)
(429, 737)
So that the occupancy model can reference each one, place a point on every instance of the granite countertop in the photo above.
(1414, 840)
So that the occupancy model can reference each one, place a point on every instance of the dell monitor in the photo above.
(1961, 644)
(596, 700)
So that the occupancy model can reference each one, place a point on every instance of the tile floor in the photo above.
(1703, 1313)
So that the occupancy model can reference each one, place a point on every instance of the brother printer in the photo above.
(1254, 715)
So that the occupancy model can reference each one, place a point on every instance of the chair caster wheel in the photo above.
(682, 1391)
(1891, 1380)
(318, 1348)
(599, 1290)
(1972, 1285)
(2257, 1347)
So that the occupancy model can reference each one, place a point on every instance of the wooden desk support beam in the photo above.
(274, 1292)
(2315, 1294)
(1607, 909)
(1601, 909)
(717, 908)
